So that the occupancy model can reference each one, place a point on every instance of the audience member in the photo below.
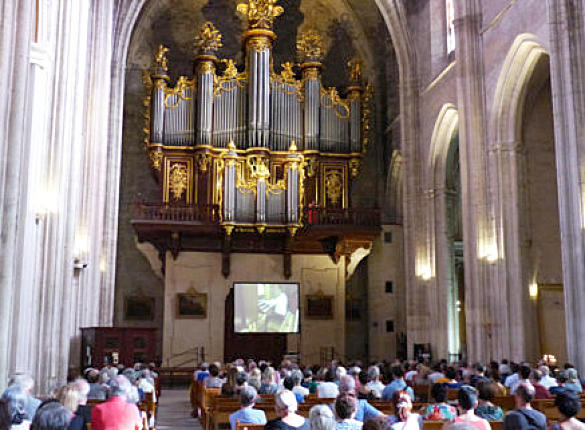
(345, 410)
(254, 379)
(27, 383)
(523, 377)
(524, 417)
(116, 413)
(16, 399)
(286, 405)
(51, 415)
(269, 385)
(403, 418)
(97, 389)
(297, 378)
(288, 384)
(363, 392)
(247, 414)
(547, 381)
(440, 410)
(573, 382)
(468, 401)
(374, 383)
(321, 418)
(486, 409)
(328, 389)
(83, 410)
(539, 390)
(202, 372)
(397, 384)
(569, 405)
(365, 411)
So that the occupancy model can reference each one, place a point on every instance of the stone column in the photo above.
(568, 93)
(17, 20)
(476, 226)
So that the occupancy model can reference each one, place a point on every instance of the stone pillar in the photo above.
(476, 225)
(568, 93)
(17, 20)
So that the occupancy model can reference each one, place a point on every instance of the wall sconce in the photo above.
(80, 249)
(533, 290)
(489, 252)
(47, 203)
(103, 264)
(424, 272)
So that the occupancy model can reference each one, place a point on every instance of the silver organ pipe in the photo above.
(157, 106)
(311, 114)
(205, 74)
(355, 127)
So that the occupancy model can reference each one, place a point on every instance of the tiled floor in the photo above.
(174, 411)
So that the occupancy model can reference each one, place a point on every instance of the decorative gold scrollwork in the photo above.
(260, 13)
(366, 117)
(156, 158)
(355, 67)
(334, 186)
(355, 165)
(208, 40)
(259, 44)
(311, 166)
(203, 161)
(160, 58)
(182, 84)
(310, 46)
(331, 100)
(178, 180)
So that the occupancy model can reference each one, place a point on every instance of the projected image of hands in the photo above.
(266, 308)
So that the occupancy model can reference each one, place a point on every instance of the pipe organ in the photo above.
(256, 148)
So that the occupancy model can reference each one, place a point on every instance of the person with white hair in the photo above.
(340, 372)
(374, 384)
(27, 383)
(328, 389)
(547, 381)
(297, 378)
(524, 417)
(285, 404)
(247, 414)
(97, 384)
(17, 400)
(145, 384)
(116, 413)
(321, 418)
(83, 410)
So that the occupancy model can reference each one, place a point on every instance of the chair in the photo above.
(244, 426)
(497, 425)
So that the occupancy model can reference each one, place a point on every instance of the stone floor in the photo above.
(174, 411)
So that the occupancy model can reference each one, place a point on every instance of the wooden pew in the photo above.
(241, 426)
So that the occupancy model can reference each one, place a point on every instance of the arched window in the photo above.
(450, 27)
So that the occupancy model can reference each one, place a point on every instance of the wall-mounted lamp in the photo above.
(47, 203)
(489, 252)
(533, 290)
(80, 249)
(424, 272)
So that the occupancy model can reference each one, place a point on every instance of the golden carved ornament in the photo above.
(205, 67)
(203, 161)
(231, 71)
(355, 66)
(260, 13)
(178, 180)
(310, 46)
(160, 58)
(334, 186)
(182, 84)
(312, 166)
(366, 117)
(331, 95)
(208, 40)
(258, 168)
(287, 74)
(147, 82)
(355, 165)
(156, 158)
(259, 44)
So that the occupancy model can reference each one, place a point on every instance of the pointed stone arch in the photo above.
(524, 60)
(440, 253)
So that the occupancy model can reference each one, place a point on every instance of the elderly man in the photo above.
(116, 413)
(247, 414)
(547, 381)
(524, 417)
(83, 410)
(364, 411)
(374, 384)
(27, 384)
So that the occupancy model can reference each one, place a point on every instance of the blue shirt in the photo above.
(247, 416)
(396, 385)
(365, 411)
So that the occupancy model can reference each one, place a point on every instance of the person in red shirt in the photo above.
(116, 413)
(540, 391)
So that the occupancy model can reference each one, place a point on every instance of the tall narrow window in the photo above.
(450, 11)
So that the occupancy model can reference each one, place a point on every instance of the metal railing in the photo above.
(167, 213)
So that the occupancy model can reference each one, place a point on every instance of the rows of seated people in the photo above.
(111, 398)
(387, 396)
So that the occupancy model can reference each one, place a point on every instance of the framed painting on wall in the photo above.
(192, 305)
(319, 307)
(138, 308)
